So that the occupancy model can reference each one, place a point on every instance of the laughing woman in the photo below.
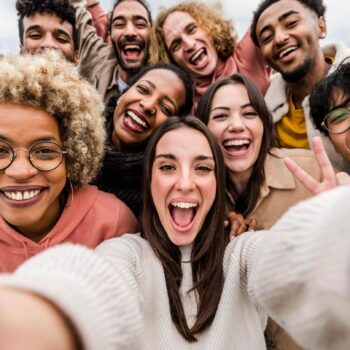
(157, 93)
(185, 285)
(51, 145)
(259, 184)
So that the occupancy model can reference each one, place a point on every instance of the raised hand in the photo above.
(330, 178)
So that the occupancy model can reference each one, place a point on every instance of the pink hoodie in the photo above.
(92, 217)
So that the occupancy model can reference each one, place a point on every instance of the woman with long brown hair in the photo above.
(184, 285)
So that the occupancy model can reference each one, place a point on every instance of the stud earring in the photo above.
(323, 35)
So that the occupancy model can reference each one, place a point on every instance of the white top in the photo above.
(297, 272)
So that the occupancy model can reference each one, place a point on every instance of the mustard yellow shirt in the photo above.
(291, 129)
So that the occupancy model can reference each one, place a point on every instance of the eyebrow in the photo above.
(227, 108)
(134, 18)
(165, 97)
(48, 138)
(280, 19)
(172, 157)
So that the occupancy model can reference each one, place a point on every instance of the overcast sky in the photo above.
(240, 11)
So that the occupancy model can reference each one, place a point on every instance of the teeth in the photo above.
(196, 56)
(287, 51)
(184, 205)
(20, 196)
(136, 119)
(236, 142)
(131, 47)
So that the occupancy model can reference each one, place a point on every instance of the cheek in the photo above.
(160, 120)
(216, 129)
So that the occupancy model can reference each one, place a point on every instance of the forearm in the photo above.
(93, 294)
(299, 273)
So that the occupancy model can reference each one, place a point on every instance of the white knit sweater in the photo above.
(297, 272)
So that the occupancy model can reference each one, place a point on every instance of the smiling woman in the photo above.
(184, 284)
(51, 147)
(157, 93)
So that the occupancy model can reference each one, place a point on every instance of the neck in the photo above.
(299, 90)
(124, 75)
(239, 181)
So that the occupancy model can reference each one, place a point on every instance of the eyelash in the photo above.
(143, 89)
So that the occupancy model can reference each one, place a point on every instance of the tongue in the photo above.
(132, 53)
(182, 217)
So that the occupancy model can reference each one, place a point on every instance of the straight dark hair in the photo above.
(208, 246)
(246, 201)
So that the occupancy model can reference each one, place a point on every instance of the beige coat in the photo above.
(279, 192)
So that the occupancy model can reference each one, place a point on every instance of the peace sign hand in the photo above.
(330, 178)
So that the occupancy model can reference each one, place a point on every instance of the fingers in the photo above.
(322, 159)
(252, 224)
(237, 222)
(342, 179)
(307, 180)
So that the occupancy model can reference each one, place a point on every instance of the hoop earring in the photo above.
(69, 203)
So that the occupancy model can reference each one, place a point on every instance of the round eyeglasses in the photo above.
(337, 121)
(42, 155)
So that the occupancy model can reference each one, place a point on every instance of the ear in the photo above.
(322, 27)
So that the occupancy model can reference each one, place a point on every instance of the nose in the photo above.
(189, 42)
(21, 169)
(184, 182)
(281, 36)
(48, 42)
(148, 106)
(130, 29)
(236, 123)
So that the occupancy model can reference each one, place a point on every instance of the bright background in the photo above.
(337, 16)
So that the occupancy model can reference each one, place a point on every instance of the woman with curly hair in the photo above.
(51, 145)
(197, 38)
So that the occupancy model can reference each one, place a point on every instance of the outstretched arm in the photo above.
(330, 178)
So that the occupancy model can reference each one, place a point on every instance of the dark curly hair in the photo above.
(60, 8)
(315, 5)
(321, 97)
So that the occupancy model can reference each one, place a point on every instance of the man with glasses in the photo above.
(330, 109)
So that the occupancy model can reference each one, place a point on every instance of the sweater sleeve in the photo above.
(250, 62)
(92, 48)
(99, 19)
(299, 272)
(90, 290)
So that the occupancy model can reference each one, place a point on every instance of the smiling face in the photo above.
(130, 30)
(288, 34)
(38, 213)
(237, 128)
(46, 31)
(183, 184)
(156, 96)
(189, 45)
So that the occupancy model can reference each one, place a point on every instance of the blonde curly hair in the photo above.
(48, 82)
(209, 17)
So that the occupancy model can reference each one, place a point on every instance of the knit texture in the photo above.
(297, 272)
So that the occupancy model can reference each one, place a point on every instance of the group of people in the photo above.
(177, 136)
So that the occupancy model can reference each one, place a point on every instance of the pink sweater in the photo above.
(92, 217)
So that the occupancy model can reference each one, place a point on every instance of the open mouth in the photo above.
(132, 51)
(198, 57)
(236, 146)
(136, 122)
(285, 53)
(183, 214)
(21, 195)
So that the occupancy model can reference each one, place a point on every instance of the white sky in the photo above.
(337, 16)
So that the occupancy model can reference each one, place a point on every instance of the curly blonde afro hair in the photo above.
(209, 17)
(50, 83)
